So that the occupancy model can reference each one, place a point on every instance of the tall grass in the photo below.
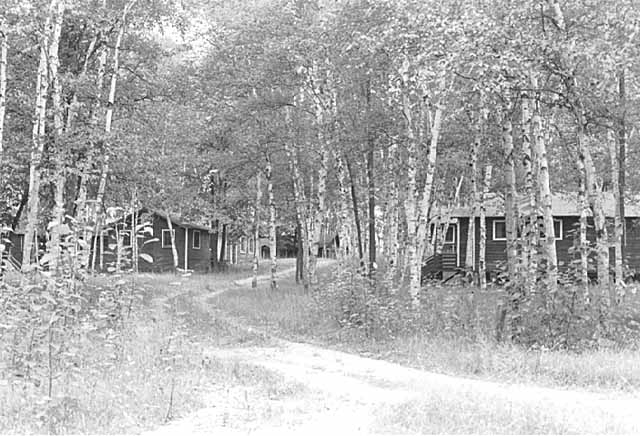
(146, 369)
(448, 335)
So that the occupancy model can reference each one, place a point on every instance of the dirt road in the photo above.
(349, 394)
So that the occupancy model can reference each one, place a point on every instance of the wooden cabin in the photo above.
(192, 241)
(11, 250)
(566, 214)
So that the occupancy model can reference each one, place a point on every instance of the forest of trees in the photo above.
(368, 115)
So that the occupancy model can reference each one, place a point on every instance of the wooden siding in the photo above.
(496, 250)
(197, 259)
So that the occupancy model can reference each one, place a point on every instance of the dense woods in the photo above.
(365, 123)
(470, 166)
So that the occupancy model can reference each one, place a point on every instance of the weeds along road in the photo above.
(341, 393)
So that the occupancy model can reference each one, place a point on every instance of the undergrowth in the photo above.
(453, 332)
(108, 355)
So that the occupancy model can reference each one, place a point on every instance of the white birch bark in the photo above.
(583, 243)
(510, 210)
(544, 188)
(85, 165)
(4, 48)
(345, 233)
(59, 177)
(482, 264)
(301, 211)
(618, 288)
(38, 138)
(111, 100)
(529, 254)
(411, 195)
(470, 261)
(272, 223)
(423, 207)
(174, 250)
(594, 196)
(256, 231)
(445, 217)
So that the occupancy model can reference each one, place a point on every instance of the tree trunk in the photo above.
(272, 224)
(372, 206)
(85, 167)
(38, 138)
(59, 177)
(594, 195)
(511, 214)
(544, 188)
(299, 253)
(618, 289)
(482, 266)
(223, 247)
(4, 48)
(110, 105)
(422, 209)
(256, 232)
(583, 243)
(529, 255)
(301, 211)
(345, 227)
(172, 235)
(622, 157)
(356, 211)
(470, 259)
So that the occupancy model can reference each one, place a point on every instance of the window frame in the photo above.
(162, 237)
(454, 233)
(193, 240)
(126, 234)
(561, 237)
(493, 230)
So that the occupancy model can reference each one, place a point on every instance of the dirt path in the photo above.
(349, 394)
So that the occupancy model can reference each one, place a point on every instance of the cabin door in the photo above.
(450, 247)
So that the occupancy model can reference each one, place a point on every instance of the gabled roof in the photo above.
(562, 204)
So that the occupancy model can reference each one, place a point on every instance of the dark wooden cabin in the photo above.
(12, 242)
(192, 243)
(566, 221)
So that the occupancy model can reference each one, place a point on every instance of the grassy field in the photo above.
(145, 371)
(290, 313)
(151, 368)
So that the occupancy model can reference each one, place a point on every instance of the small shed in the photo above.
(192, 243)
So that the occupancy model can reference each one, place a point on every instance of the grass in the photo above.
(149, 370)
(290, 313)
(455, 412)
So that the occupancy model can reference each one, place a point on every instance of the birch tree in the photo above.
(4, 49)
(38, 139)
(618, 218)
(59, 176)
(482, 263)
(544, 187)
(256, 230)
(272, 222)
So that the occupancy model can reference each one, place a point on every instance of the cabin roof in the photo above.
(175, 221)
(562, 204)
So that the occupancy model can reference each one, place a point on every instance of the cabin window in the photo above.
(499, 230)
(450, 237)
(126, 238)
(557, 229)
(166, 237)
(196, 239)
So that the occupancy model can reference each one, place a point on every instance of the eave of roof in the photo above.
(562, 204)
